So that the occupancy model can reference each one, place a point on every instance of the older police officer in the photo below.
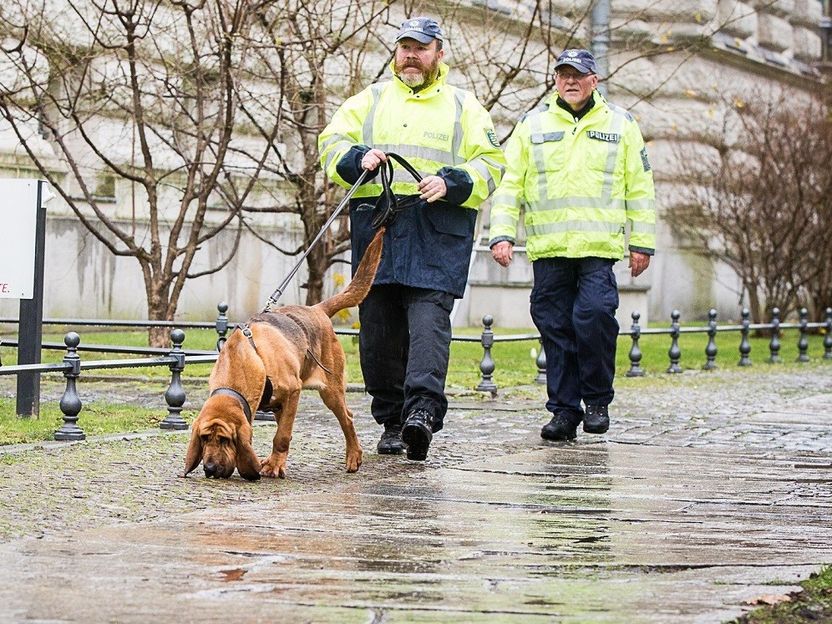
(449, 138)
(578, 167)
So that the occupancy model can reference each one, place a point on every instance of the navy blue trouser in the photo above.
(405, 342)
(573, 303)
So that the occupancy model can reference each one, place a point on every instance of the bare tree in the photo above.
(759, 201)
(145, 93)
(306, 44)
(198, 104)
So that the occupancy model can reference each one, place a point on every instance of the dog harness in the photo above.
(247, 333)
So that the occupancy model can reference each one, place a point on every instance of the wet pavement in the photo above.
(708, 491)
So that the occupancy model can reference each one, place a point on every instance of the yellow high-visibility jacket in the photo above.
(440, 130)
(440, 126)
(578, 183)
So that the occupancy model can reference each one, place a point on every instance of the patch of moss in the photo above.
(812, 605)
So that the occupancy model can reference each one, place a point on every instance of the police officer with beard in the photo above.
(446, 134)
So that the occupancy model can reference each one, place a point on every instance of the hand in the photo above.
(372, 159)
(432, 188)
(638, 263)
(502, 253)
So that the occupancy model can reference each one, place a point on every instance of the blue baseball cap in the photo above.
(422, 29)
(582, 60)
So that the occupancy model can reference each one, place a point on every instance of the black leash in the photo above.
(388, 204)
(279, 290)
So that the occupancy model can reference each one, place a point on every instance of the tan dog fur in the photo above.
(221, 435)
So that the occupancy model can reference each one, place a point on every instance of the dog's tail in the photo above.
(358, 288)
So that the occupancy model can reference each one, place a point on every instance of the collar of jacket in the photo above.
(600, 105)
(427, 91)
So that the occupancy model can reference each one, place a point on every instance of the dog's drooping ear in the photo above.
(194, 455)
(248, 465)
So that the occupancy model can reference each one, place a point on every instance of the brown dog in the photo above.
(286, 350)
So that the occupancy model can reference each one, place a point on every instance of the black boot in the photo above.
(561, 427)
(417, 434)
(391, 440)
(596, 419)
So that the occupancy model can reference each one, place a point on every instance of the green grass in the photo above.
(813, 604)
(514, 363)
(513, 360)
(96, 418)
(197, 339)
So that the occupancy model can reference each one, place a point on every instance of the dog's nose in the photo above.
(210, 469)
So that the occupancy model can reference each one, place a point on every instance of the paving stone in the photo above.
(707, 492)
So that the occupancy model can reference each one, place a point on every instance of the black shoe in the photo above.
(391, 440)
(561, 427)
(417, 434)
(596, 419)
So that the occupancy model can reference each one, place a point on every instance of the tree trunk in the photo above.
(160, 307)
(316, 265)
(754, 304)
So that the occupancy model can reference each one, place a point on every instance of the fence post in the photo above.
(803, 340)
(827, 339)
(221, 324)
(175, 394)
(745, 345)
(774, 345)
(635, 352)
(710, 348)
(674, 353)
(70, 401)
(487, 363)
(540, 362)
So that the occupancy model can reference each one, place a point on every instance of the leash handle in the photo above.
(386, 215)
(388, 204)
(406, 165)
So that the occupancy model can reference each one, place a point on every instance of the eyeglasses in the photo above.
(572, 75)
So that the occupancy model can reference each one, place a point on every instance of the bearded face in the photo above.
(417, 64)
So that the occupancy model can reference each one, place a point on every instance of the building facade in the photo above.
(671, 63)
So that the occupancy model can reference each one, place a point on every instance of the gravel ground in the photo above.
(54, 487)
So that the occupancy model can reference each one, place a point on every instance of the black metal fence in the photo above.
(176, 358)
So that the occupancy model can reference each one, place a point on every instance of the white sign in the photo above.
(18, 224)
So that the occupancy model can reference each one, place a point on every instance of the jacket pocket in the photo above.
(450, 219)
(447, 237)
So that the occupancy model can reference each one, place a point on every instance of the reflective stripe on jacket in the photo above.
(579, 183)
(441, 130)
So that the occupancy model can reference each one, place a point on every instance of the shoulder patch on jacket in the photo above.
(609, 137)
(644, 162)
(492, 137)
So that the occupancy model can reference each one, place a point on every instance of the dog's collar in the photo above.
(233, 393)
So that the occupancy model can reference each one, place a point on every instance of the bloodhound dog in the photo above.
(265, 366)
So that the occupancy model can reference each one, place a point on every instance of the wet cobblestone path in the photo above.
(708, 490)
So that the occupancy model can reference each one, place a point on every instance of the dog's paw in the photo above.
(353, 461)
(272, 467)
